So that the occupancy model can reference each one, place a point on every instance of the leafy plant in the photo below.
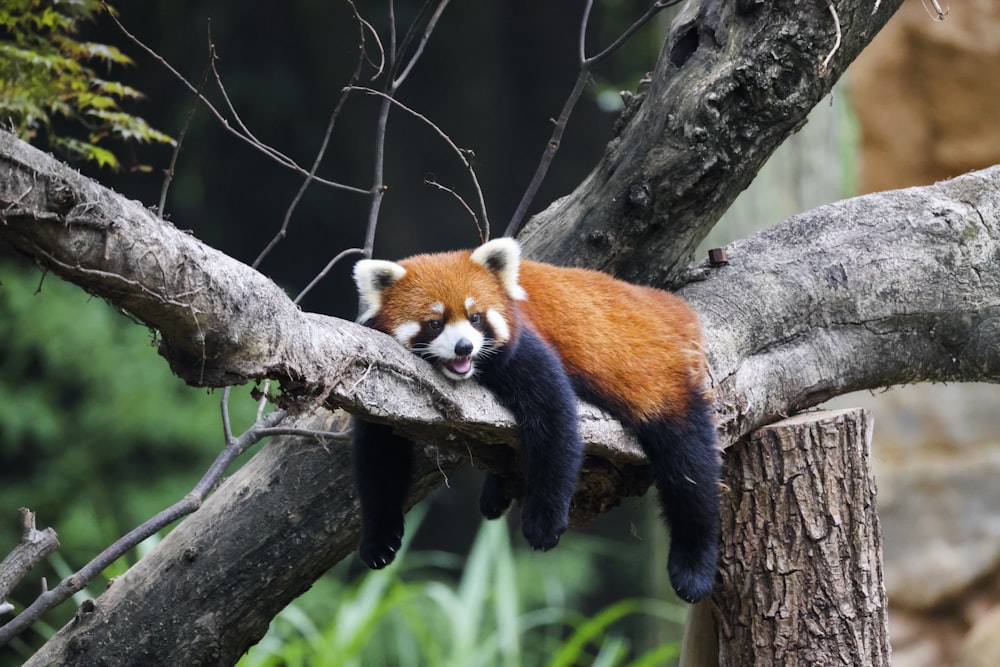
(494, 615)
(46, 76)
(96, 435)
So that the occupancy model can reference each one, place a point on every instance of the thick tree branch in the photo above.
(827, 302)
(885, 289)
(732, 81)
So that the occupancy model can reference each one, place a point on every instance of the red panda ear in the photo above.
(374, 276)
(502, 257)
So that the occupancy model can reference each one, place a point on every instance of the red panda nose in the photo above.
(463, 347)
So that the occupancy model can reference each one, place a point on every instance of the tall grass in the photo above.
(495, 614)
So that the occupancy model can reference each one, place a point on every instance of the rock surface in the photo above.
(927, 97)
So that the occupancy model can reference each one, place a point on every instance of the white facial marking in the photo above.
(405, 332)
(501, 331)
(373, 276)
(437, 308)
(443, 347)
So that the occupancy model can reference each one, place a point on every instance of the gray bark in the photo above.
(889, 288)
(732, 81)
(801, 558)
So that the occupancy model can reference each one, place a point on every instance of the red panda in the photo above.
(538, 336)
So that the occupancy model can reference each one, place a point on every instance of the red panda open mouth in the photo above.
(459, 365)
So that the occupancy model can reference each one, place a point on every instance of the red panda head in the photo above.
(450, 308)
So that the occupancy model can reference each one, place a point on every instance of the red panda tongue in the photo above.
(461, 365)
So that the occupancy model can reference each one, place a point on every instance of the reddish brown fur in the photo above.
(637, 347)
(448, 278)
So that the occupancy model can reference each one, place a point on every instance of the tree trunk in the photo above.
(801, 559)
(226, 591)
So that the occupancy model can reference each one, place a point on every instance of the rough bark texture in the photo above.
(801, 560)
(268, 533)
(732, 81)
(833, 300)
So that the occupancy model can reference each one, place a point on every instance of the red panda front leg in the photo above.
(495, 497)
(383, 466)
(528, 378)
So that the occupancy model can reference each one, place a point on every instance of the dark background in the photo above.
(492, 77)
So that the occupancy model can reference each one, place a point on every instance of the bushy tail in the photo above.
(687, 470)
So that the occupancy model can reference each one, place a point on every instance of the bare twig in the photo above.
(191, 502)
(34, 546)
(428, 29)
(326, 269)
(430, 180)
(227, 427)
(586, 67)
(269, 151)
(311, 176)
(169, 174)
(824, 66)
(462, 154)
(392, 84)
(939, 12)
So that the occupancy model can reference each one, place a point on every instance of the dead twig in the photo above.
(192, 501)
(586, 67)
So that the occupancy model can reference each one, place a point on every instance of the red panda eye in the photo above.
(435, 325)
(476, 320)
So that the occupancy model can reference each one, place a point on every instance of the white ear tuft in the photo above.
(374, 276)
(502, 257)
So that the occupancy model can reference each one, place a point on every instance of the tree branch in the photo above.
(35, 545)
(732, 81)
(830, 301)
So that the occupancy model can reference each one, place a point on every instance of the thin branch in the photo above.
(283, 231)
(227, 427)
(586, 66)
(34, 546)
(463, 154)
(431, 181)
(653, 10)
(824, 66)
(428, 29)
(518, 219)
(169, 174)
(940, 13)
(269, 151)
(191, 502)
(393, 83)
(326, 269)
(378, 174)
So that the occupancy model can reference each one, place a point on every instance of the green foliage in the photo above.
(508, 608)
(46, 75)
(96, 435)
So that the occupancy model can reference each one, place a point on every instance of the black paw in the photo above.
(378, 550)
(542, 525)
(495, 497)
(692, 570)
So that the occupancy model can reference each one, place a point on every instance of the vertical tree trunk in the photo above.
(801, 558)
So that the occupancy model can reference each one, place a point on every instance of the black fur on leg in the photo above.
(529, 379)
(383, 464)
(495, 497)
(687, 469)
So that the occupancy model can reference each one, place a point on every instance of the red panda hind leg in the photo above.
(687, 467)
